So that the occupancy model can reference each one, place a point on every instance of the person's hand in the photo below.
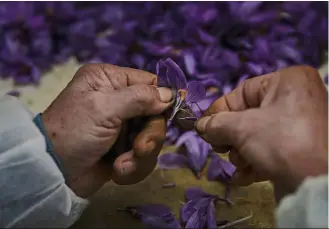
(91, 115)
(275, 127)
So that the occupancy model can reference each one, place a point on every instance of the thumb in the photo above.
(222, 129)
(140, 100)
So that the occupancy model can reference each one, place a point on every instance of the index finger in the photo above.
(118, 77)
(249, 94)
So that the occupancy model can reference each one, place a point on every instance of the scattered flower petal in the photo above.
(220, 170)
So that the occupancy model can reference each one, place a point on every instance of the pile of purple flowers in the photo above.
(218, 43)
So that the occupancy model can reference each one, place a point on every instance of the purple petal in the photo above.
(172, 134)
(227, 88)
(175, 75)
(161, 72)
(220, 169)
(255, 69)
(206, 37)
(172, 161)
(196, 150)
(211, 216)
(244, 9)
(188, 209)
(198, 13)
(197, 220)
(204, 104)
(195, 92)
(190, 63)
(211, 82)
(286, 51)
(197, 153)
(184, 137)
(307, 20)
(264, 17)
(280, 64)
(156, 49)
(230, 58)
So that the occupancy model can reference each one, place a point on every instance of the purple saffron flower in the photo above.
(220, 169)
(199, 13)
(199, 211)
(213, 42)
(194, 157)
(194, 212)
(190, 63)
(170, 75)
(154, 215)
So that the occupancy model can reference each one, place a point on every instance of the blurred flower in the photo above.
(194, 157)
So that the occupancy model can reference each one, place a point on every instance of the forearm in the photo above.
(307, 207)
(33, 189)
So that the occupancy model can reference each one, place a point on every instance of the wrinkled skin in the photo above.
(90, 115)
(275, 126)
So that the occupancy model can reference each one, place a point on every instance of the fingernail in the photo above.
(201, 124)
(166, 95)
(128, 167)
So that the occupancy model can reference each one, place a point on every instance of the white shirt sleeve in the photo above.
(33, 193)
(307, 207)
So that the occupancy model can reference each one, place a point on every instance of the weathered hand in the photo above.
(91, 115)
(275, 126)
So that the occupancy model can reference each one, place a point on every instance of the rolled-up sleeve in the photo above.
(33, 192)
(307, 207)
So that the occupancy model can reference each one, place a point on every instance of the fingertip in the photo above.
(144, 147)
(201, 125)
(124, 164)
(166, 95)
